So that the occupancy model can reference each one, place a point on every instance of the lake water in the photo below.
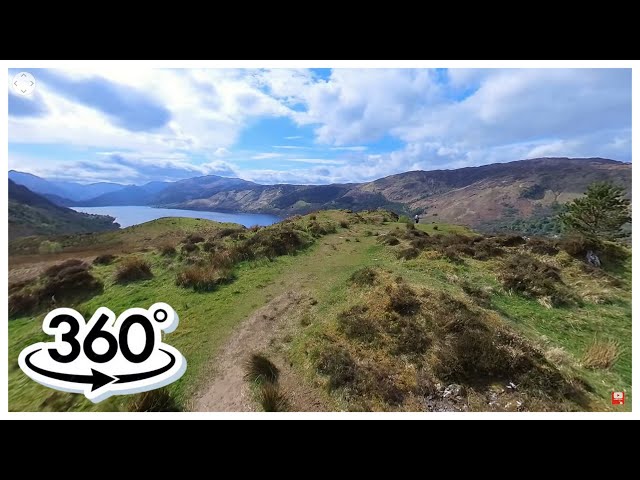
(127, 216)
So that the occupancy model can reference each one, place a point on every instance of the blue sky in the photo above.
(131, 125)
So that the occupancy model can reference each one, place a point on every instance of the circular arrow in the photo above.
(98, 379)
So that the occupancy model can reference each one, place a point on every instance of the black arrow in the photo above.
(23, 91)
(96, 379)
(23, 75)
(133, 377)
(15, 83)
(32, 84)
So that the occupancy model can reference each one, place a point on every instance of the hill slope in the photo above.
(32, 214)
(478, 194)
(362, 314)
(470, 196)
(474, 196)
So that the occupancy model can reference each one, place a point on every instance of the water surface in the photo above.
(127, 216)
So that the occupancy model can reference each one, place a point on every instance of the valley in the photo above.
(480, 197)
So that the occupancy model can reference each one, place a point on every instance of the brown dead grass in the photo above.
(398, 341)
(601, 354)
(132, 269)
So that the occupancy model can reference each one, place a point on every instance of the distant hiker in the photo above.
(417, 218)
(592, 259)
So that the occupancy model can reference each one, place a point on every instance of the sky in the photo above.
(311, 126)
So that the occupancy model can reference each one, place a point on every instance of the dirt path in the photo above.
(263, 331)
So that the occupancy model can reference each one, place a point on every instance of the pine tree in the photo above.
(599, 214)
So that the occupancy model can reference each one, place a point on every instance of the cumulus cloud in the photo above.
(169, 124)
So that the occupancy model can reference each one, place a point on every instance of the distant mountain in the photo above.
(129, 195)
(201, 187)
(476, 196)
(69, 190)
(32, 214)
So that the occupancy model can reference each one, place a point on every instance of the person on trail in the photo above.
(417, 218)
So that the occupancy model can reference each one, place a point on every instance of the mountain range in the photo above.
(33, 214)
(473, 195)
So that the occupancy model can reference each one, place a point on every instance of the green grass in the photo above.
(572, 328)
(205, 321)
(208, 318)
(128, 239)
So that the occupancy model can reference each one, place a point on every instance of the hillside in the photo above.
(475, 195)
(470, 196)
(480, 196)
(357, 312)
(32, 214)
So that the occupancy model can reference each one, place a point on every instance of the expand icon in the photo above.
(106, 356)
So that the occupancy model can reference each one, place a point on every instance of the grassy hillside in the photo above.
(479, 196)
(32, 214)
(381, 316)
(484, 196)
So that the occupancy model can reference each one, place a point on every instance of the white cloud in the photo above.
(208, 110)
(363, 106)
(358, 148)
(221, 152)
(461, 117)
(267, 155)
(319, 161)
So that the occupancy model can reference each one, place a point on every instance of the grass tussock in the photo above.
(71, 282)
(356, 323)
(399, 342)
(532, 278)
(480, 295)
(212, 246)
(167, 250)
(188, 248)
(55, 270)
(203, 278)
(60, 284)
(601, 354)
(362, 277)
(407, 253)
(271, 398)
(542, 246)
(258, 368)
(388, 239)
(132, 269)
(264, 376)
(106, 259)
(272, 242)
(318, 229)
(453, 246)
(23, 303)
(193, 239)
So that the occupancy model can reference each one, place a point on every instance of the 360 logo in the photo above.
(106, 356)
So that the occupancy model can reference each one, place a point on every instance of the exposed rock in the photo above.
(454, 390)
